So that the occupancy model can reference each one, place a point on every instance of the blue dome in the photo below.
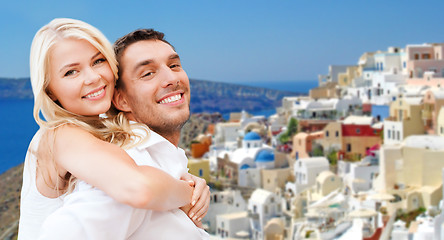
(245, 166)
(265, 155)
(252, 136)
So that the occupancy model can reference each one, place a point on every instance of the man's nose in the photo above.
(169, 78)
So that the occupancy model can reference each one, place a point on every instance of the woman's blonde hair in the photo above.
(114, 127)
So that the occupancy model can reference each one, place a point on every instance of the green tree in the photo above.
(317, 151)
(333, 157)
(292, 129)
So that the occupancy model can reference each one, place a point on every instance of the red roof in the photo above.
(359, 131)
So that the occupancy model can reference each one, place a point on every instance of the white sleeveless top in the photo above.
(34, 207)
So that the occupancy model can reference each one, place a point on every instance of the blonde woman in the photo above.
(73, 72)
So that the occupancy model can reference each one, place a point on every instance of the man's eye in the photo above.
(175, 66)
(147, 74)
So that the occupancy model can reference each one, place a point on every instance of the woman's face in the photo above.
(80, 77)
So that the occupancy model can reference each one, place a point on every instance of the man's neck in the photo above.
(173, 138)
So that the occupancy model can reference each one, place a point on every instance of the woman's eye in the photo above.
(100, 60)
(70, 72)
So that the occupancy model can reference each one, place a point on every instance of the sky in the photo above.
(237, 41)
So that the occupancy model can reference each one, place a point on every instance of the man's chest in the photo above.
(171, 160)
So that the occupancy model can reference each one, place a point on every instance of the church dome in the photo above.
(252, 136)
(266, 155)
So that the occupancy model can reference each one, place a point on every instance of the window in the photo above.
(358, 131)
(398, 135)
(349, 147)
(404, 64)
(200, 172)
(382, 67)
(272, 199)
(416, 56)
(419, 73)
(442, 130)
(388, 134)
(425, 56)
(266, 209)
(337, 133)
(326, 133)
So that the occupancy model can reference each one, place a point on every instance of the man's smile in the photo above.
(171, 99)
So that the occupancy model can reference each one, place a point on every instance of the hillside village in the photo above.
(361, 157)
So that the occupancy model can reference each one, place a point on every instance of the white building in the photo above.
(263, 206)
(333, 72)
(233, 225)
(327, 108)
(225, 140)
(359, 176)
(385, 87)
(224, 202)
(305, 171)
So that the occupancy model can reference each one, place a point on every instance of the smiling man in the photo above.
(152, 88)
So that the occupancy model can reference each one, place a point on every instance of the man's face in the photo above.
(157, 89)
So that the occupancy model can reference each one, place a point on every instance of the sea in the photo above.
(17, 125)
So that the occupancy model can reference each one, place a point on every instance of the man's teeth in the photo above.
(95, 94)
(171, 99)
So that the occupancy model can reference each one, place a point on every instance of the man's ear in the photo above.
(120, 102)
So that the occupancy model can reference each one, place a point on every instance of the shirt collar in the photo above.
(153, 138)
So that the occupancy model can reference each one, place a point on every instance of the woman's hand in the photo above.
(200, 201)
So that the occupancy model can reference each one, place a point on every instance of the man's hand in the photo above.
(200, 200)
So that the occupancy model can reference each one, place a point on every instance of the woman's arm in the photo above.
(109, 168)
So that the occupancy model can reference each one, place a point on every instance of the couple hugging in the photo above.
(105, 163)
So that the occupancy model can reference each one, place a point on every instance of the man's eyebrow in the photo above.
(174, 56)
(142, 63)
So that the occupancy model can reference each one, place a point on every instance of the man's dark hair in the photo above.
(138, 35)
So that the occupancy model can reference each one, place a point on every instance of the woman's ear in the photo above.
(120, 102)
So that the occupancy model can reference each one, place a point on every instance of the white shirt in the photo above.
(34, 207)
(88, 213)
